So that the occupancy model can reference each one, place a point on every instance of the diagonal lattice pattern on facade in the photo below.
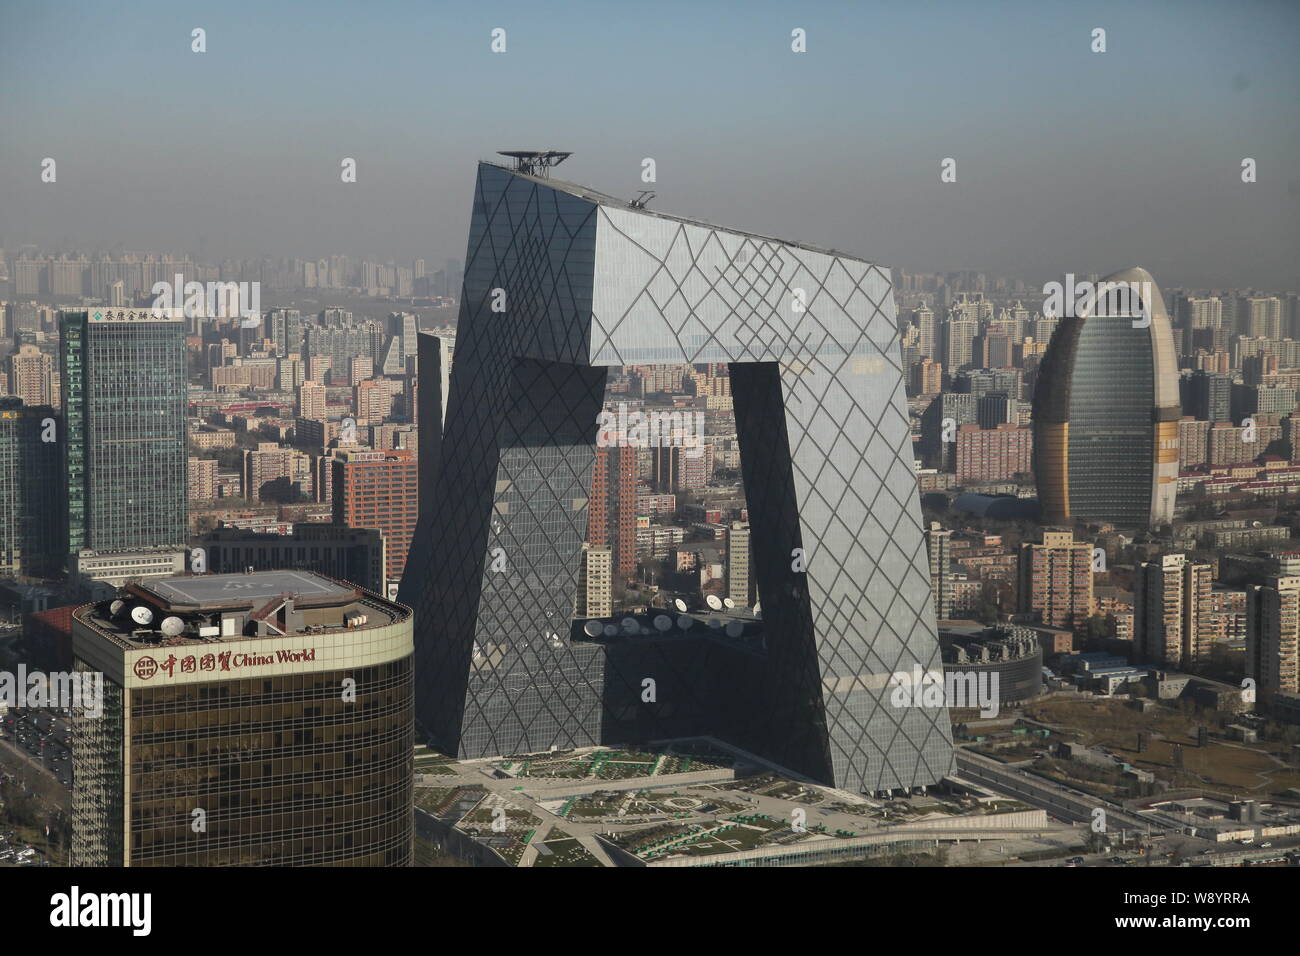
(584, 282)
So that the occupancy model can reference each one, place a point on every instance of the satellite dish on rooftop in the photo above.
(728, 602)
(611, 630)
(592, 628)
(630, 625)
(713, 602)
(171, 626)
(663, 622)
(141, 615)
(116, 607)
(680, 605)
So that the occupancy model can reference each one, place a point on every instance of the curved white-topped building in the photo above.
(1106, 409)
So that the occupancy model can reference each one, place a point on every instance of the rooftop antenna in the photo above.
(640, 201)
(535, 162)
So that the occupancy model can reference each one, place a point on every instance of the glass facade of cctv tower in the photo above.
(561, 283)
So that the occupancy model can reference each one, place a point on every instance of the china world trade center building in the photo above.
(561, 284)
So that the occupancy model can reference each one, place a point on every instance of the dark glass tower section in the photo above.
(124, 406)
(30, 489)
(562, 282)
(1111, 441)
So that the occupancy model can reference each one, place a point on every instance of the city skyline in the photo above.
(876, 445)
(1002, 96)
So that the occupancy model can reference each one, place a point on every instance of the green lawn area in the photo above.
(565, 852)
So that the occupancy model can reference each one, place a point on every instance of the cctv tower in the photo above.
(562, 283)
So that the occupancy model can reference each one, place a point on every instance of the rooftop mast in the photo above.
(535, 162)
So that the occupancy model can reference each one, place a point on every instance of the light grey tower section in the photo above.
(581, 282)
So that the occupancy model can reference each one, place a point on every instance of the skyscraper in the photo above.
(30, 487)
(1193, 442)
(596, 588)
(939, 423)
(927, 377)
(286, 331)
(273, 472)
(1197, 313)
(1171, 608)
(32, 375)
(939, 545)
(996, 408)
(928, 329)
(250, 719)
(561, 283)
(404, 327)
(611, 520)
(959, 342)
(679, 468)
(1208, 396)
(1273, 637)
(1249, 401)
(124, 448)
(1056, 579)
(739, 549)
(993, 454)
(379, 489)
(1260, 317)
(1106, 411)
(311, 400)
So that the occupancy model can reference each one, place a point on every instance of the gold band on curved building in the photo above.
(1052, 464)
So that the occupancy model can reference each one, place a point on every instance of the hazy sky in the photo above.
(1067, 160)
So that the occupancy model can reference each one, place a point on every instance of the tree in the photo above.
(1097, 627)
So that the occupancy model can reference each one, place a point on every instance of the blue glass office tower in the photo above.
(123, 373)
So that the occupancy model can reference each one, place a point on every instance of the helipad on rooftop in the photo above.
(212, 589)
